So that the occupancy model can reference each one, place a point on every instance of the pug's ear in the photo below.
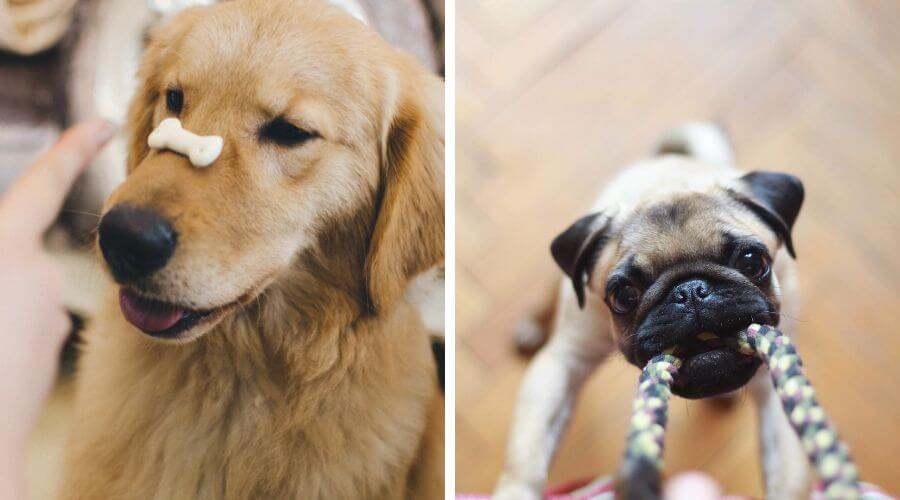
(776, 199)
(574, 249)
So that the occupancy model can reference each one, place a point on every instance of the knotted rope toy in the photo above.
(640, 472)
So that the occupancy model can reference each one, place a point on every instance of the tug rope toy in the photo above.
(825, 451)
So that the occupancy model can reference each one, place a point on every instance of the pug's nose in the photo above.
(135, 242)
(696, 290)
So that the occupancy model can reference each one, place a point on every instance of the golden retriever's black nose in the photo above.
(135, 242)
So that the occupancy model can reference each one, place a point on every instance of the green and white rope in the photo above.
(826, 452)
(650, 411)
(824, 449)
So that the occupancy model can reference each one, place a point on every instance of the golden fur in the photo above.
(315, 379)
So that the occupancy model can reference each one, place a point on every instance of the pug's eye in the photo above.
(284, 133)
(752, 264)
(624, 298)
(174, 100)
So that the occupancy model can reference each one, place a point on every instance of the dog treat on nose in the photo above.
(200, 150)
(639, 475)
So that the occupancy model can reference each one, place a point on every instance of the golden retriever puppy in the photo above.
(259, 344)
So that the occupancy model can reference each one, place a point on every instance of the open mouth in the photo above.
(163, 320)
(711, 365)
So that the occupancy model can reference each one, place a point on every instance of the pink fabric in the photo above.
(602, 489)
(599, 489)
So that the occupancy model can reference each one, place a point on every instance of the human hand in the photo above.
(33, 322)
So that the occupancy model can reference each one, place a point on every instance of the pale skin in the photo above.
(694, 486)
(33, 322)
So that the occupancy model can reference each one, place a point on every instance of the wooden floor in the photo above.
(554, 96)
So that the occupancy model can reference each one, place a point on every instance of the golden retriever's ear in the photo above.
(408, 237)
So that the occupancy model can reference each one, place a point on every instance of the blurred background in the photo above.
(553, 97)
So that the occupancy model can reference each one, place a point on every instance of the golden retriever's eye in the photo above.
(284, 133)
(174, 100)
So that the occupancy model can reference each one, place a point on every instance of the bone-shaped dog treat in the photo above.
(202, 150)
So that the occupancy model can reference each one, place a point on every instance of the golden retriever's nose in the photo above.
(135, 242)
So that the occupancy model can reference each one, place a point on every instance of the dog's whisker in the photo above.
(80, 212)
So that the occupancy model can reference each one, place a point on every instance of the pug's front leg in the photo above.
(545, 401)
(786, 472)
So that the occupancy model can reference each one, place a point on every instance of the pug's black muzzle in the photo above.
(702, 305)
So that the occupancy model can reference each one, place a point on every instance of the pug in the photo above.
(678, 249)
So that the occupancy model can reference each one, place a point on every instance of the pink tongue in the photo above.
(148, 315)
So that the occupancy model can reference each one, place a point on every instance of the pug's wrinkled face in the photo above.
(688, 272)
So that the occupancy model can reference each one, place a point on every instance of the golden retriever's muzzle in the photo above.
(136, 242)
